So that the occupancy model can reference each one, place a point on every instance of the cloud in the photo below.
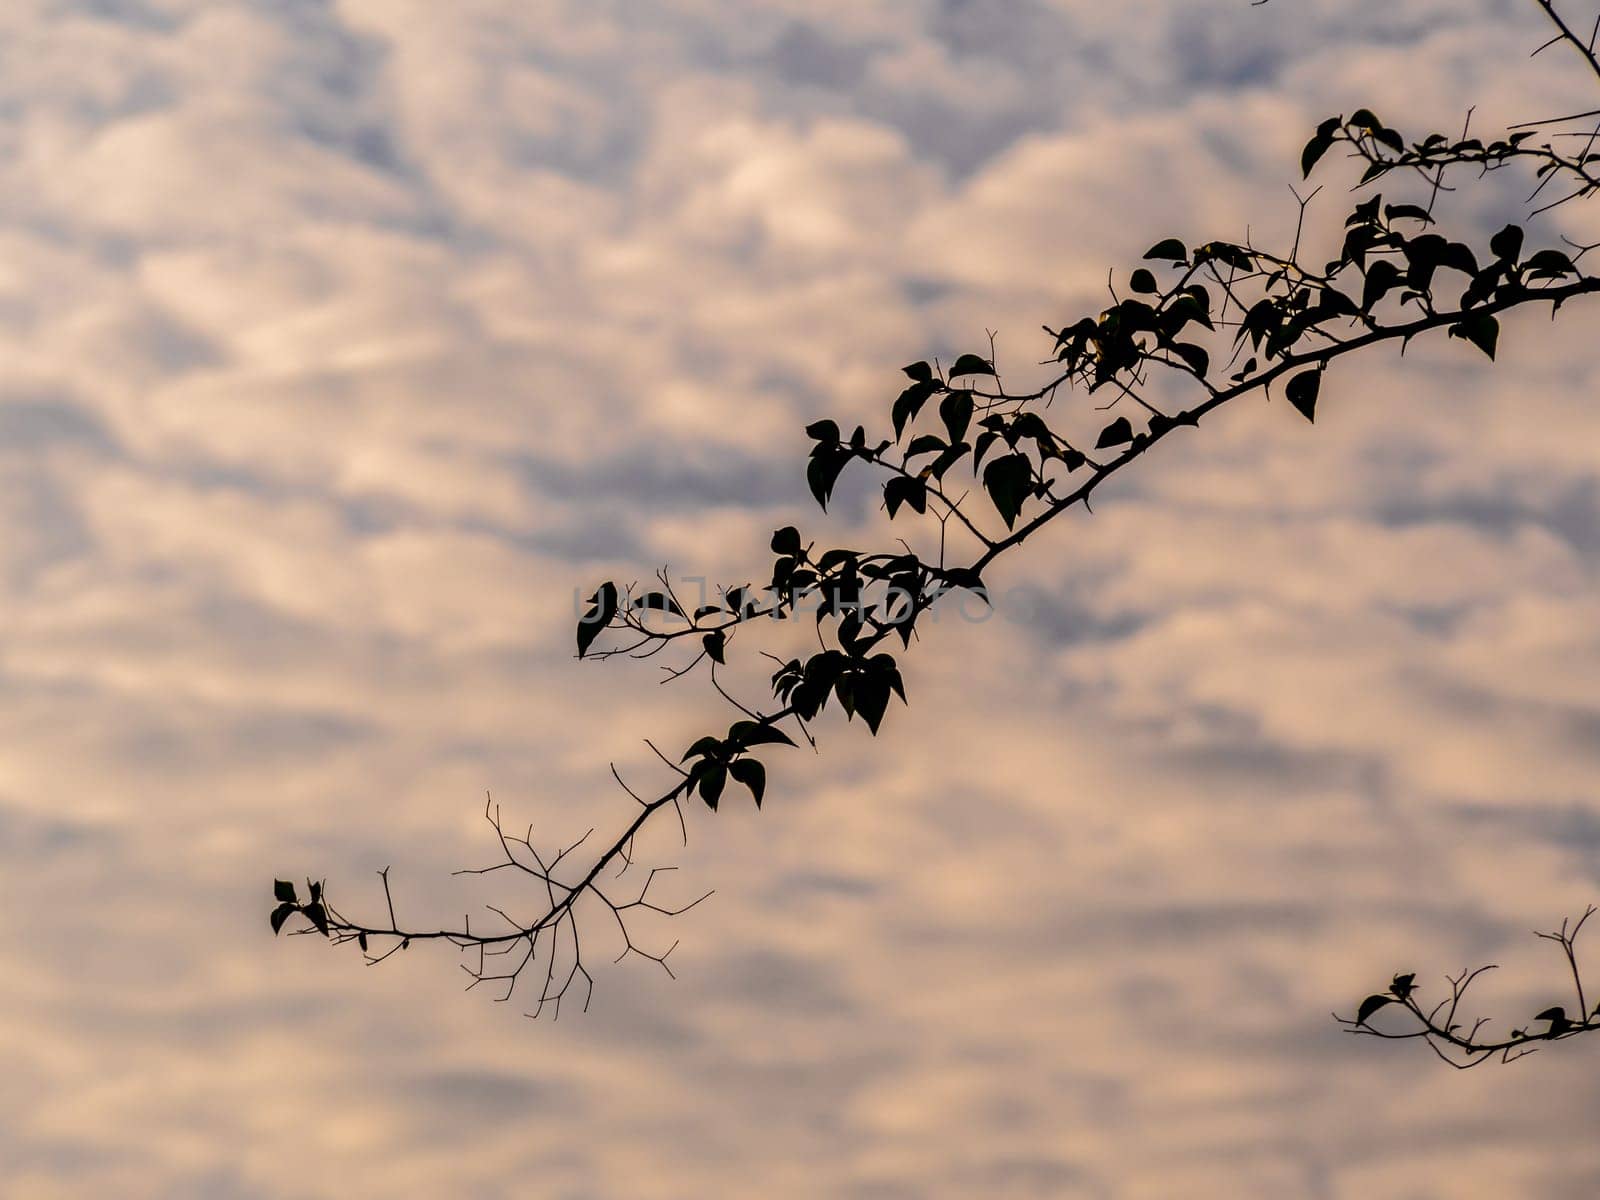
(343, 342)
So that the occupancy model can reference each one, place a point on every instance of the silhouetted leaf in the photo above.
(1371, 1005)
(283, 890)
(1459, 257)
(909, 403)
(715, 642)
(603, 607)
(318, 917)
(1382, 276)
(1403, 985)
(757, 733)
(786, 541)
(281, 914)
(1168, 250)
(752, 774)
(823, 472)
(1143, 281)
(1302, 393)
(703, 747)
(1118, 433)
(1318, 145)
(871, 698)
(908, 491)
(713, 777)
(955, 410)
(921, 372)
(971, 364)
(1197, 358)
(658, 602)
(1549, 264)
(1481, 329)
(1008, 480)
(1395, 212)
(1507, 244)
(823, 431)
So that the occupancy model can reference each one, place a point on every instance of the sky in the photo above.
(342, 342)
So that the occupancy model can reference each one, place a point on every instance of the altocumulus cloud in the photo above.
(340, 341)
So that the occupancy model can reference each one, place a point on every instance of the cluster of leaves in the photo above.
(718, 759)
(289, 903)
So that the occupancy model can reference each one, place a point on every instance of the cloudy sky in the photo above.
(341, 340)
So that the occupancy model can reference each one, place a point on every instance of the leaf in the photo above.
(921, 372)
(925, 443)
(1481, 329)
(1459, 257)
(758, 733)
(713, 778)
(985, 440)
(871, 698)
(1556, 1015)
(283, 890)
(1390, 139)
(706, 610)
(282, 914)
(603, 607)
(949, 459)
(1396, 212)
(361, 940)
(909, 403)
(1117, 433)
(715, 642)
(1302, 393)
(786, 541)
(1143, 281)
(1197, 358)
(1008, 480)
(824, 431)
(1403, 985)
(318, 916)
(1507, 244)
(1382, 276)
(905, 490)
(823, 472)
(658, 602)
(1318, 145)
(752, 774)
(955, 410)
(971, 364)
(1550, 262)
(703, 747)
(1168, 250)
(1371, 1005)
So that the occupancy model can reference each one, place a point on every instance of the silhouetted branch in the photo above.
(1161, 358)
(1461, 1046)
